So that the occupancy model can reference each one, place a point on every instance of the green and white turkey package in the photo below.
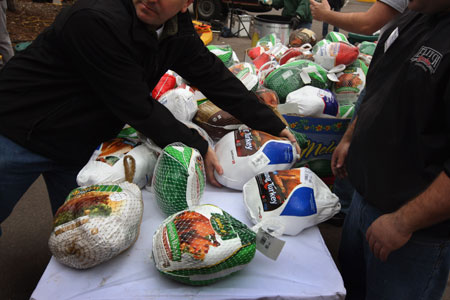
(96, 223)
(247, 74)
(292, 76)
(245, 153)
(310, 101)
(334, 36)
(202, 245)
(351, 82)
(296, 198)
(181, 103)
(225, 53)
(107, 163)
(331, 54)
(179, 178)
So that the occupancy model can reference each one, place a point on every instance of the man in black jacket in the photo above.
(91, 72)
(396, 237)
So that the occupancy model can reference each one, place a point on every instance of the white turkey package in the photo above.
(96, 223)
(296, 198)
(244, 153)
(310, 101)
(107, 163)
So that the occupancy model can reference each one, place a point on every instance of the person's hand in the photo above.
(386, 234)
(319, 9)
(338, 166)
(287, 134)
(295, 21)
(211, 164)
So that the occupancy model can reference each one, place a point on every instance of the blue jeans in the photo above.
(19, 168)
(325, 25)
(418, 270)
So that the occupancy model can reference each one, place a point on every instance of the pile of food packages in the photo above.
(199, 243)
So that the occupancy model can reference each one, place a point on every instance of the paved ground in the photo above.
(23, 247)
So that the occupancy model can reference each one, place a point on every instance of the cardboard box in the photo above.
(323, 136)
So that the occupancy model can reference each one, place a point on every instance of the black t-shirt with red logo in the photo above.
(401, 141)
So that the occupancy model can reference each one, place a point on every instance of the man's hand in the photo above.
(295, 21)
(386, 234)
(287, 134)
(319, 10)
(338, 159)
(211, 164)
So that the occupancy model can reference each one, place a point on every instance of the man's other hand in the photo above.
(211, 164)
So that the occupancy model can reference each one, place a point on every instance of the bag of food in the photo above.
(331, 54)
(254, 52)
(336, 37)
(351, 82)
(346, 111)
(314, 102)
(268, 41)
(295, 54)
(245, 153)
(292, 76)
(225, 53)
(367, 48)
(302, 36)
(167, 82)
(246, 73)
(181, 103)
(107, 163)
(215, 121)
(297, 198)
(96, 223)
(179, 178)
(202, 245)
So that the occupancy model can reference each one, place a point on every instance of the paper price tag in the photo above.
(268, 245)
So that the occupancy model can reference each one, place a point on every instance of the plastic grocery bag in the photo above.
(350, 82)
(107, 163)
(313, 102)
(292, 76)
(246, 73)
(96, 223)
(330, 54)
(202, 245)
(179, 178)
(245, 153)
(181, 103)
(297, 198)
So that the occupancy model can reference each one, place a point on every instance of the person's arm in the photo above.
(366, 22)
(391, 231)
(338, 166)
(118, 82)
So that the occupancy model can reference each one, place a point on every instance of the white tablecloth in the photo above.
(304, 269)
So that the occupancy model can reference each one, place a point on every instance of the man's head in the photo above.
(430, 6)
(156, 12)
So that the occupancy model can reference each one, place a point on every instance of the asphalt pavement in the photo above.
(24, 253)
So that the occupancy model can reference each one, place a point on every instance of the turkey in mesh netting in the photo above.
(96, 223)
(202, 245)
(179, 178)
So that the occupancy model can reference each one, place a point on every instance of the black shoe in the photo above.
(337, 220)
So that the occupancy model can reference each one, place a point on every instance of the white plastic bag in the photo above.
(244, 153)
(107, 163)
(297, 198)
(314, 102)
